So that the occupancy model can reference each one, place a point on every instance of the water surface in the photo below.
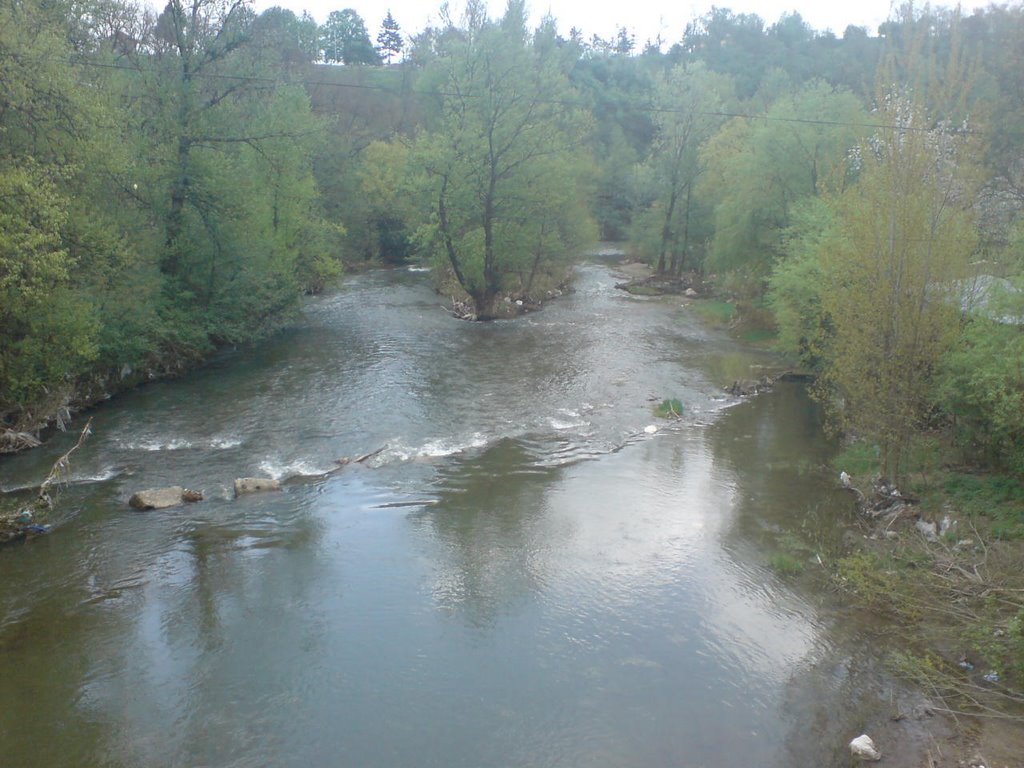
(522, 577)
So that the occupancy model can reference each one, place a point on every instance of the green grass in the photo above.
(669, 409)
(859, 459)
(785, 564)
(759, 335)
(997, 497)
(716, 311)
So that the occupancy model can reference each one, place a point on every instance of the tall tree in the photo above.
(892, 290)
(687, 110)
(216, 123)
(506, 123)
(293, 39)
(758, 169)
(345, 40)
(389, 39)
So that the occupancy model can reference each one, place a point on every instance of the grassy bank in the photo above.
(945, 567)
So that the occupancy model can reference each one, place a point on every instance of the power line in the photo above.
(650, 109)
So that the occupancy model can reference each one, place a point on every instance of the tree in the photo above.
(227, 170)
(687, 110)
(47, 329)
(293, 39)
(508, 135)
(389, 39)
(758, 169)
(891, 290)
(345, 40)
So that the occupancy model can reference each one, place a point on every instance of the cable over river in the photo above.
(522, 577)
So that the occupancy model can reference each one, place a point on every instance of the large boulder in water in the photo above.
(245, 485)
(160, 498)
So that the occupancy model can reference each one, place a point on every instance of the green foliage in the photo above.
(997, 497)
(344, 39)
(859, 459)
(617, 91)
(688, 106)
(503, 168)
(759, 170)
(794, 289)
(786, 564)
(759, 336)
(389, 39)
(669, 409)
(874, 581)
(717, 311)
(889, 291)
(982, 382)
(154, 205)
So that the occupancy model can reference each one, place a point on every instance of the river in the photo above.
(522, 577)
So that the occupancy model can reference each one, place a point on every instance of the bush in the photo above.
(669, 409)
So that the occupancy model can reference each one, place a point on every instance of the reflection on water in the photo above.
(522, 577)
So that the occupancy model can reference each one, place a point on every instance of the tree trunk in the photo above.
(682, 251)
(666, 230)
(446, 235)
(176, 214)
(483, 302)
(536, 261)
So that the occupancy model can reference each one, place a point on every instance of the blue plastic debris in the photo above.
(36, 528)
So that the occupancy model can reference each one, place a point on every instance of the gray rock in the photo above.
(863, 748)
(245, 485)
(160, 498)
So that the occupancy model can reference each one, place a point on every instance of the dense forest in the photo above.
(171, 183)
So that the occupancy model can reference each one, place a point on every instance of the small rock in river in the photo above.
(245, 485)
(864, 748)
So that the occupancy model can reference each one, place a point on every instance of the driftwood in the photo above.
(461, 309)
(25, 520)
(59, 470)
(665, 285)
(370, 455)
(345, 460)
(748, 387)
(14, 442)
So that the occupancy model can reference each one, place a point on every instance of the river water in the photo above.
(522, 577)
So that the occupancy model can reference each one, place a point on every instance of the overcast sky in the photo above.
(644, 18)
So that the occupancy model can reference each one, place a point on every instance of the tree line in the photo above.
(173, 182)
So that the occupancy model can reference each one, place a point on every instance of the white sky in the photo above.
(645, 18)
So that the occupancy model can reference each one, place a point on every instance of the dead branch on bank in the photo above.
(25, 520)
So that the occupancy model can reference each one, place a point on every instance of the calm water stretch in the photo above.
(522, 577)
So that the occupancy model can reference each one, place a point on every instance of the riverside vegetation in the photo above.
(173, 182)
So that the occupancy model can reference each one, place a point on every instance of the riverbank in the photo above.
(941, 562)
(944, 560)
(28, 429)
